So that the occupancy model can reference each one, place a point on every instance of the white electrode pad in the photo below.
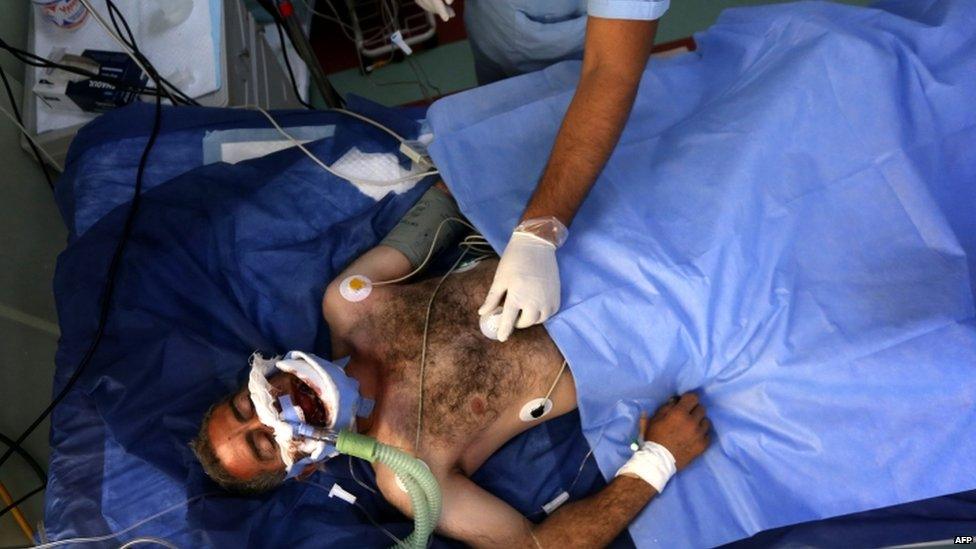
(534, 405)
(355, 288)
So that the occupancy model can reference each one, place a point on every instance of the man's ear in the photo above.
(307, 471)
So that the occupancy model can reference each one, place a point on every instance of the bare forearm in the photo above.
(598, 519)
(588, 135)
(616, 55)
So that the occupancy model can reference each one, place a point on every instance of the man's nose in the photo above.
(255, 423)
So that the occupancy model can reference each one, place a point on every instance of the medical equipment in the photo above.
(340, 396)
(62, 90)
(425, 495)
(355, 288)
(65, 14)
(324, 390)
(127, 45)
(488, 323)
(412, 236)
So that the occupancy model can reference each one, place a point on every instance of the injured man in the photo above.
(437, 388)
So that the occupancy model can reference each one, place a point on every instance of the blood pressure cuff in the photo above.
(428, 219)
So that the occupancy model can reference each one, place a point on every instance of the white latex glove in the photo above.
(528, 278)
(440, 7)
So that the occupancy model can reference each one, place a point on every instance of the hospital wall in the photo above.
(31, 235)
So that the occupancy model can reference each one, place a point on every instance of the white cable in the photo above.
(555, 381)
(96, 539)
(371, 122)
(423, 352)
(125, 47)
(31, 139)
(326, 167)
(148, 539)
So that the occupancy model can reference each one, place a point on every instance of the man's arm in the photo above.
(615, 54)
(480, 519)
(381, 263)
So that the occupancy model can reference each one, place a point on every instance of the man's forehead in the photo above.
(228, 437)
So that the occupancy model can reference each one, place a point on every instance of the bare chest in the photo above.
(458, 396)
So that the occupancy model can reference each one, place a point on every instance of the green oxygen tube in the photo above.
(425, 494)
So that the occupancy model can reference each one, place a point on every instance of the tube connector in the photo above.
(356, 445)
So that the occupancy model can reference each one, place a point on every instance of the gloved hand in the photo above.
(440, 7)
(527, 276)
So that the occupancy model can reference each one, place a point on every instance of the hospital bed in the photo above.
(229, 258)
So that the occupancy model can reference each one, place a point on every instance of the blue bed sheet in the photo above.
(787, 227)
(223, 260)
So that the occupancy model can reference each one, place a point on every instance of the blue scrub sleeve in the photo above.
(645, 10)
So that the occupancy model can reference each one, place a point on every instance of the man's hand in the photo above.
(528, 279)
(440, 7)
(681, 427)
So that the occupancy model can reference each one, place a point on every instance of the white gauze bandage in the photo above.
(263, 397)
(653, 463)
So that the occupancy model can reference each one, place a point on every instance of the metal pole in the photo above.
(304, 49)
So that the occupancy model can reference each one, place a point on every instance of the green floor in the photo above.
(450, 67)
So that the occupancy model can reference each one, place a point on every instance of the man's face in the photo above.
(245, 446)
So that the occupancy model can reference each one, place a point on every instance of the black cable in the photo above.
(113, 12)
(21, 499)
(284, 54)
(109, 291)
(37, 153)
(38, 470)
(28, 58)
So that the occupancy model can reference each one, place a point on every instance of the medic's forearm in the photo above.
(595, 521)
(589, 133)
(616, 55)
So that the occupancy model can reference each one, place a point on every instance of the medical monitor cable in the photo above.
(20, 123)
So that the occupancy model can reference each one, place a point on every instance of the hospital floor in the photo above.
(34, 234)
(449, 67)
